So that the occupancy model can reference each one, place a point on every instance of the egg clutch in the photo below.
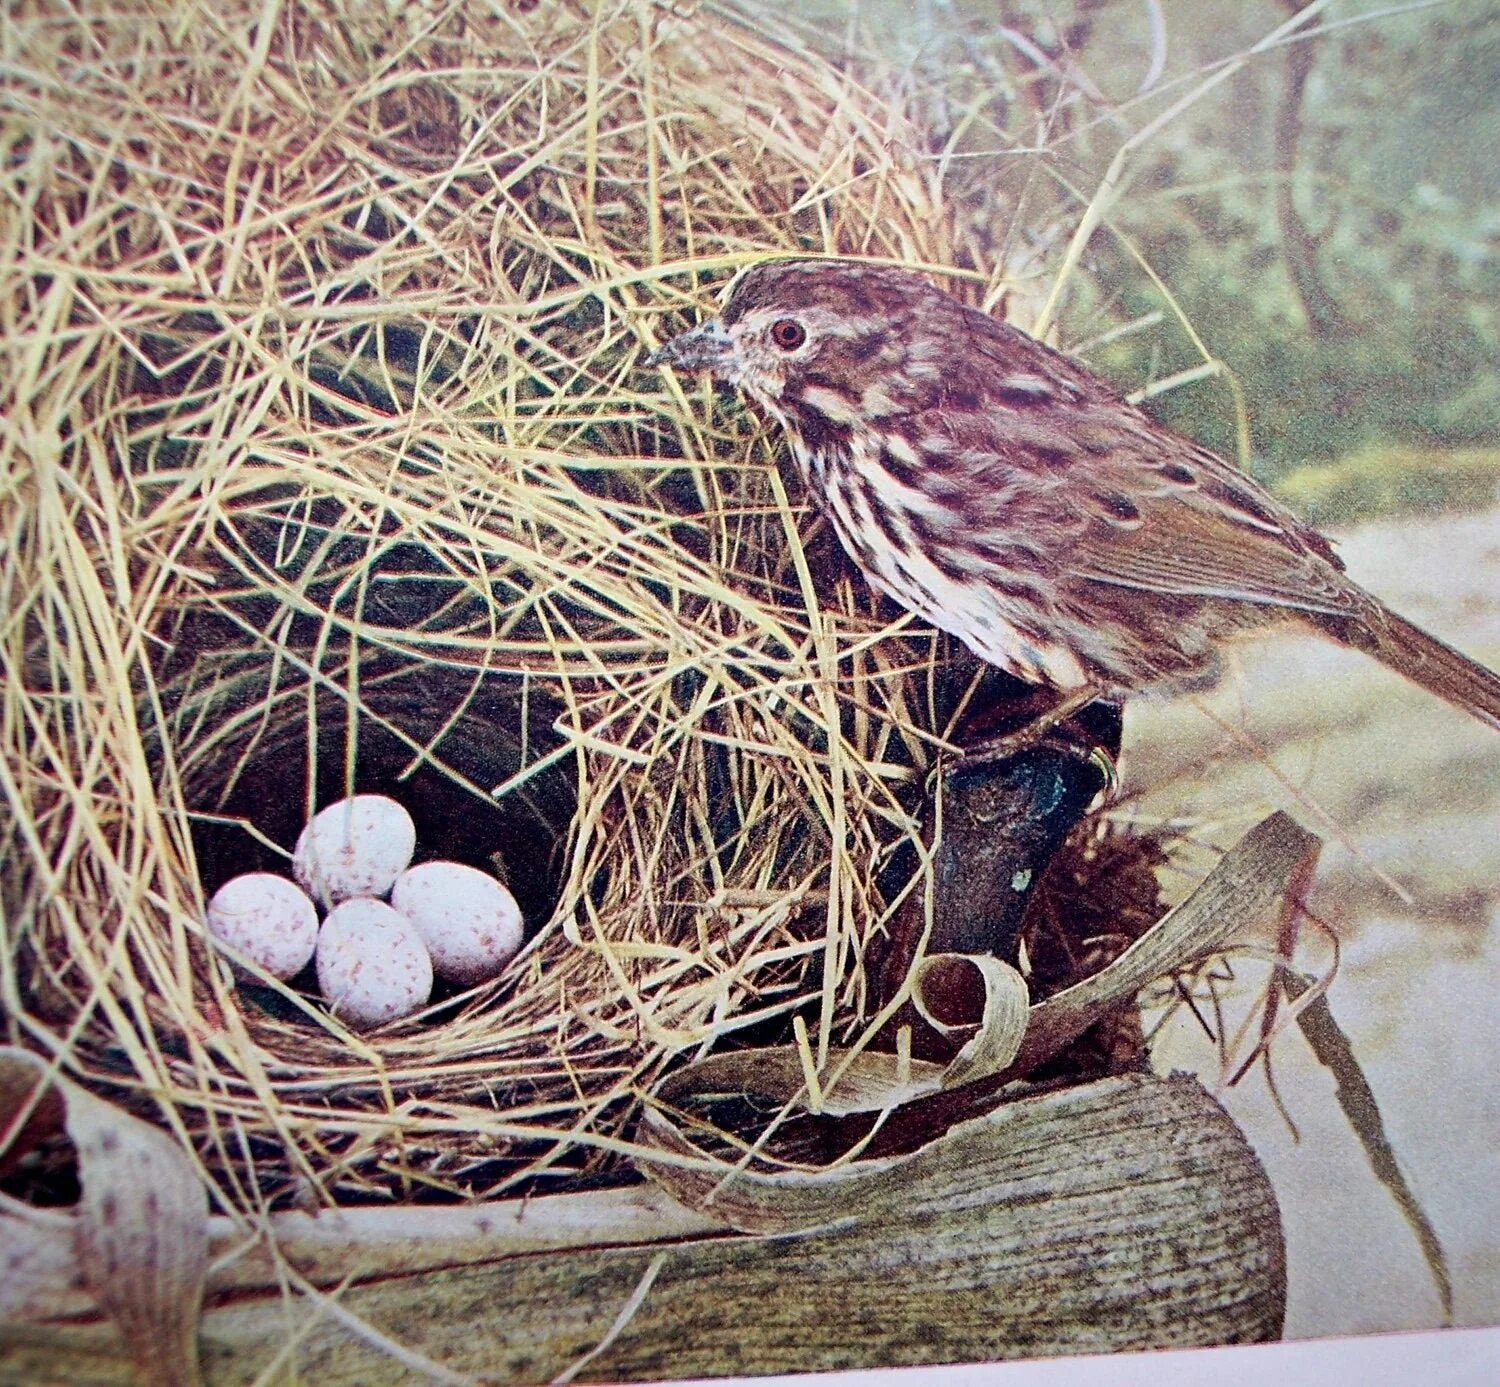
(388, 929)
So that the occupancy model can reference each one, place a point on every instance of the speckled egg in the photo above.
(470, 923)
(355, 847)
(372, 964)
(266, 918)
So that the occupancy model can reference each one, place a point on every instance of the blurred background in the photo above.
(1299, 265)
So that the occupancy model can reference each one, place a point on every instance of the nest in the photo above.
(330, 467)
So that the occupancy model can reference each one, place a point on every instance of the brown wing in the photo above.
(1164, 516)
(1184, 549)
(1170, 517)
(1126, 501)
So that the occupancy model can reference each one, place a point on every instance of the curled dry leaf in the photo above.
(995, 1041)
(137, 1241)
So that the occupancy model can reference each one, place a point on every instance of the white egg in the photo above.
(356, 847)
(372, 964)
(470, 923)
(267, 919)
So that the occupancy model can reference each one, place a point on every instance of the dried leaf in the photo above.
(139, 1235)
(1247, 882)
(1357, 1099)
(1003, 1021)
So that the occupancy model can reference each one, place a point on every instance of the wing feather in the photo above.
(1180, 549)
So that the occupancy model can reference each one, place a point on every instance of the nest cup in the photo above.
(334, 471)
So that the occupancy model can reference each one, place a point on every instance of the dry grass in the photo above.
(327, 463)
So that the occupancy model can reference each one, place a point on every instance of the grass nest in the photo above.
(329, 466)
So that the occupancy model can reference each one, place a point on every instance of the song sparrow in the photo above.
(1010, 496)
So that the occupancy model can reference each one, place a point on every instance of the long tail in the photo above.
(1427, 661)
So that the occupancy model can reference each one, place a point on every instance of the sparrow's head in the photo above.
(809, 336)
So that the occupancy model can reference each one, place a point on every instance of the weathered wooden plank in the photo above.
(1124, 1214)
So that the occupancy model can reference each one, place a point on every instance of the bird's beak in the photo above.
(707, 347)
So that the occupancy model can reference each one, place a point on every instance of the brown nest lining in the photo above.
(330, 466)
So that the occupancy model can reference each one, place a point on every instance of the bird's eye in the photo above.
(788, 334)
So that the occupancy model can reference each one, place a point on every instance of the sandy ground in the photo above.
(1401, 785)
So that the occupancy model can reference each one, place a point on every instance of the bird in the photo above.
(1008, 495)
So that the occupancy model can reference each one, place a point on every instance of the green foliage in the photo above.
(1397, 211)
(1410, 358)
